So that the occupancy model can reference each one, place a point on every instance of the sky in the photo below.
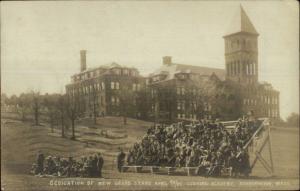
(41, 40)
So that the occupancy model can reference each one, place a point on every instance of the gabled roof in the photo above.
(174, 68)
(241, 23)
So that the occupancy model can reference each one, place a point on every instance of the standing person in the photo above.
(120, 159)
(40, 163)
(100, 163)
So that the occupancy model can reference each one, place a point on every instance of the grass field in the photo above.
(21, 141)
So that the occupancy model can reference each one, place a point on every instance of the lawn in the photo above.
(21, 141)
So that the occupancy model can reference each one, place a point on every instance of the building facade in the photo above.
(106, 90)
(241, 63)
(176, 92)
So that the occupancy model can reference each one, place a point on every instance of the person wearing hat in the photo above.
(40, 163)
(120, 159)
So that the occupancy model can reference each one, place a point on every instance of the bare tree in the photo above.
(126, 102)
(61, 104)
(50, 103)
(36, 104)
(72, 111)
(94, 103)
(22, 104)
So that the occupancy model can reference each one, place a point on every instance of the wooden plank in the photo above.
(259, 151)
(264, 163)
(270, 152)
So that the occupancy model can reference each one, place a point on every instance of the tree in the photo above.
(36, 105)
(52, 108)
(94, 103)
(4, 99)
(293, 120)
(61, 105)
(23, 103)
(126, 102)
(72, 111)
(221, 98)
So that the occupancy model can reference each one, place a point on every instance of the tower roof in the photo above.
(241, 23)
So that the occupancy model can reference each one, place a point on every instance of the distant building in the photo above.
(106, 90)
(176, 92)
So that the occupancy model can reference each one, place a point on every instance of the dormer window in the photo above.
(125, 72)
(117, 71)
(134, 73)
(181, 76)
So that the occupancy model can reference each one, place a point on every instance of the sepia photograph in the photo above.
(149, 95)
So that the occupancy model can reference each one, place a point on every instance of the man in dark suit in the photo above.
(100, 163)
(120, 159)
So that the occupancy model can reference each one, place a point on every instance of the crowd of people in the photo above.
(90, 166)
(205, 144)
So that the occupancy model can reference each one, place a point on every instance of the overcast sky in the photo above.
(40, 41)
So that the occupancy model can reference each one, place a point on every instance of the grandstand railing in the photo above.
(260, 138)
(254, 146)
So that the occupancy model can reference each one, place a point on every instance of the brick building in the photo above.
(241, 61)
(179, 91)
(106, 90)
(176, 92)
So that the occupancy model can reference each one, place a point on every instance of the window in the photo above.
(153, 107)
(178, 105)
(117, 71)
(115, 100)
(180, 90)
(181, 105)
(153, 92)
(125, 72)
(114, 85)
(134, 87)
(102, 85)
(178, 115)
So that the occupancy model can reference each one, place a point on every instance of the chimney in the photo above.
(82, 60)
(167, 60)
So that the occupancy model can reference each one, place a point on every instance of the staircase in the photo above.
(260, 138)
